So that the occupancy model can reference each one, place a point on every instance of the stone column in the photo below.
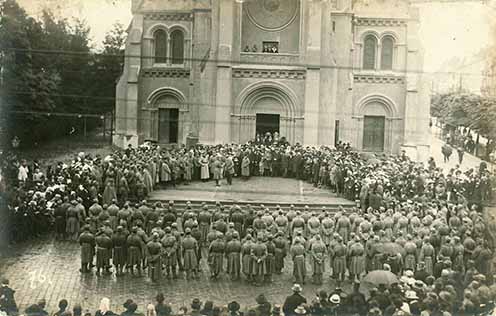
(224, 72)
(127, 103)
(416, 120)
(313, 45)
(328, 78)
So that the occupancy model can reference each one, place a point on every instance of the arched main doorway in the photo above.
(377, 113)
(168, 119)
(167, 106)
(266, 107)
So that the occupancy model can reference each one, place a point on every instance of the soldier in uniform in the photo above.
(258, 223)
(196, 234)
(338, 256)
(124, 214)
(135, 249)
(233, 253)
(427, 255)
(216, 256)
(60, 214)
(246, 248)
(297, 252)
(318, 253)
(73, 220)
(410, 262)
(281, 221)
(297, 224)
(154, 258)
(113, 211)
(87, 242)
(356, 257)
(343, 226)
(280, 244)
(119, 257)
(259, 256)
(327, 228)
(313, 225)
(179, 254)
(169, 243)
(204, 220)
(238, 218)
(270, 260)
(190, 254)
(103, 252)
(151, 219)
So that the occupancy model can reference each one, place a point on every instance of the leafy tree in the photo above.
(464, 109)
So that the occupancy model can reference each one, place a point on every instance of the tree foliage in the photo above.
(47, 65)
(466, 109)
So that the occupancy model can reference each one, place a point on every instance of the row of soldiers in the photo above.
(257, 243)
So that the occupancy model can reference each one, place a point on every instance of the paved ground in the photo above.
(260, 189)
(469, 161)
(49, 269)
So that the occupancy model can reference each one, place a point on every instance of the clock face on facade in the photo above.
(272, 15)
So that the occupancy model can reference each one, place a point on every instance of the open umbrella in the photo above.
(377, 277)
(391, 248)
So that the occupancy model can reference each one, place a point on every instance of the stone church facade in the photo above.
(316, 71)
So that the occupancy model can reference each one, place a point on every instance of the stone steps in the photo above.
(196, 204)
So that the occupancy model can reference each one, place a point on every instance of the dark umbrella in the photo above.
(377, 277)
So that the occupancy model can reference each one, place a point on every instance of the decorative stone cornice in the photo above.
(269, 74)
(168, 16)
(379, 79)
(363, 21)
(165, 73)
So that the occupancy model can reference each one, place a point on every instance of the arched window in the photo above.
(160, 39)
(369, 48)
(387, 53)
(177, 47)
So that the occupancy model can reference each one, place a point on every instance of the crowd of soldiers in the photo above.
(411, 218)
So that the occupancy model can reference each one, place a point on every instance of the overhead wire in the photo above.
(233, 62)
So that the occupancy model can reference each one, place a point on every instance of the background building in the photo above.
(317, 71)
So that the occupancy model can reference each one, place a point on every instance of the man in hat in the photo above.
(293, 301)
(338, 257)
(73, 220)
(281, 245)
(204, 221)
(196, 306)
(169, 244)
(154, 258)
(119, 241)
(233, 308)
(263, 307)
(103, 251)
(356, 301)
(87, 243)
(216, 256)
(356, 258)
(233, 253)
(317, 251)
(259, 255)
(7, 300)
(135, 250)
(190, 251)
(297, 252)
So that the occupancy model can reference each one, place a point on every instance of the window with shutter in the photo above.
(387, 53)
(369, 48)
(160, 39)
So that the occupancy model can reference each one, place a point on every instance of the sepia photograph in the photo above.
(247, 157)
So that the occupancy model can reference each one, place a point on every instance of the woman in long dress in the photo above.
(165, 172)
(245, 167)
(204, 171)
